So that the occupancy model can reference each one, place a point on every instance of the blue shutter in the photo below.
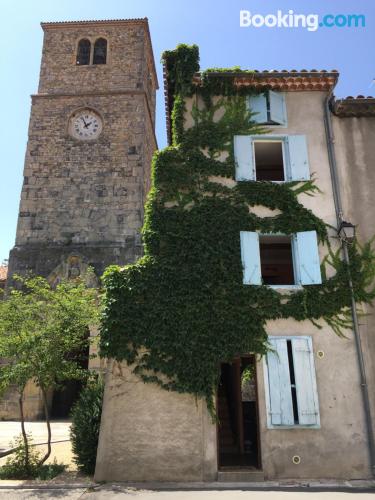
(280, 394)
(299, 169)
(250, 258)
(277, 107)
(258, 105)
(307, 258)
(243, 154)
(306, 389)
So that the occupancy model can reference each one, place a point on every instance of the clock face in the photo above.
(85, 125)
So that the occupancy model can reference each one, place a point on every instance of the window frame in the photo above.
(92, 40)
(295, 151)
(297, 278)
(84, 39)
(269, 122)
(285, 154)
(100, 38)
(272, 426)
(251, 262)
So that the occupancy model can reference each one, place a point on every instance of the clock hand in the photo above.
(83, 121)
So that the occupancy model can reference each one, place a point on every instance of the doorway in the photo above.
(238, 436)
(64, 398)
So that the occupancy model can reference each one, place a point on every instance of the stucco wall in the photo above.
(355, 153)
(338, 448)
(324, 451)
(150, 434)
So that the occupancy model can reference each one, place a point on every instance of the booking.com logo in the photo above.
(309, 21)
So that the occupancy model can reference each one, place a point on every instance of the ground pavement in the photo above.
(117, 492)
(61, 447)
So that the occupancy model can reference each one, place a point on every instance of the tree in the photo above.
(40, 330)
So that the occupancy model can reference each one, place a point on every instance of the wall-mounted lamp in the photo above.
(346, 232)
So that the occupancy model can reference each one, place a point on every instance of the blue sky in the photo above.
(212, 24)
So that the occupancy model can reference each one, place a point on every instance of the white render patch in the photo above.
(262, 211)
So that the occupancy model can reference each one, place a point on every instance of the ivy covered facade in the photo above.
(230, 338)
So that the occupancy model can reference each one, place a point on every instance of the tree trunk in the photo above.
(46, 414)
(24, 435)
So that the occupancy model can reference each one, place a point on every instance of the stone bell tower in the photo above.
(91, 139)
(88, 157)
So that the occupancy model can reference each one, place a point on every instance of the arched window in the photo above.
(83, 53)
(100, 51)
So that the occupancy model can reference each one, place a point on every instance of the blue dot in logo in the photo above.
(321, 25)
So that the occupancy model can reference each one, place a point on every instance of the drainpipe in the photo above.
(339, 217)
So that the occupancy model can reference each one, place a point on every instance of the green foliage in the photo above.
(181, 64)
(40, 327)
(18, 467)
(182, 309)
(85, 427)
(49, 471)
(247, 374)
(43, 335)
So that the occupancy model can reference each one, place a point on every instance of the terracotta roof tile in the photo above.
(93, 21)
(354, 106)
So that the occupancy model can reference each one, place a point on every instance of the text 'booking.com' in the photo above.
(311, 22)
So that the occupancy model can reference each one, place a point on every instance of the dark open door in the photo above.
(65, 397)
(238, 439)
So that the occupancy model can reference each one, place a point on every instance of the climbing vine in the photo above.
(182, 308)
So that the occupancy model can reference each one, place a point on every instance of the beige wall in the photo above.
(355, 153)
(324, 451)
(33, 408)
(150, 434)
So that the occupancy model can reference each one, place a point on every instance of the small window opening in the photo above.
(100, 51)
(269, 161)
(292, 381)
(276, 259)
(268, 108)
(270, 121)
(83, 53)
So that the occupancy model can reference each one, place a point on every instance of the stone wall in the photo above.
(83, 196)
(82, 202)
(86, 198)
(129, 58)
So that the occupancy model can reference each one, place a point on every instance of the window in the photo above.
(83, 53)
(100, 51)
(280, 260)
(271, 158)
(268, 108)
(290, 383)
(269, 161)
(276, 260)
